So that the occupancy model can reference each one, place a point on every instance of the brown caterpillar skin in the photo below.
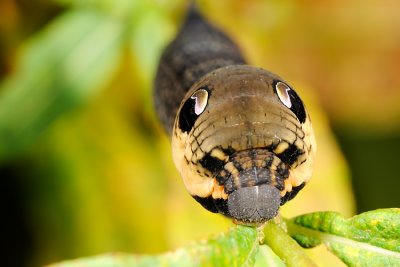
(241, 136)
(198, 49)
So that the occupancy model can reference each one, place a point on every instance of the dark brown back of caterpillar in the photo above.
(198, 49)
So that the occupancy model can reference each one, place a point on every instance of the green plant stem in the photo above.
(285, 247)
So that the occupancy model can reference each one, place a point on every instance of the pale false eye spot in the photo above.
(193, 107)
(282, 91)
(291, 100)
(201, 99)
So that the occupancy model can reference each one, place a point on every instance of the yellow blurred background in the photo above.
(85, 166)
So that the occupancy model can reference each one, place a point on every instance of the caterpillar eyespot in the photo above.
(291, 100)
(192, 109)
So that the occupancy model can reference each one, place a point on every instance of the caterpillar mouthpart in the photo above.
(252, 180)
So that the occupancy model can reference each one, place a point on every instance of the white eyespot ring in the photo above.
(283, 93)
(201, 99)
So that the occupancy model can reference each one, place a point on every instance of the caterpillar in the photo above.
(242, 138)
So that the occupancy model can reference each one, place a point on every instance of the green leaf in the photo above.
(61, 67)
(119, 8)
(266, 257)
(369, 239)
(238, 247)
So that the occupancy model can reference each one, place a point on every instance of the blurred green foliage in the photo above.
(87, 168)
(59, 68)
(237, 247)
